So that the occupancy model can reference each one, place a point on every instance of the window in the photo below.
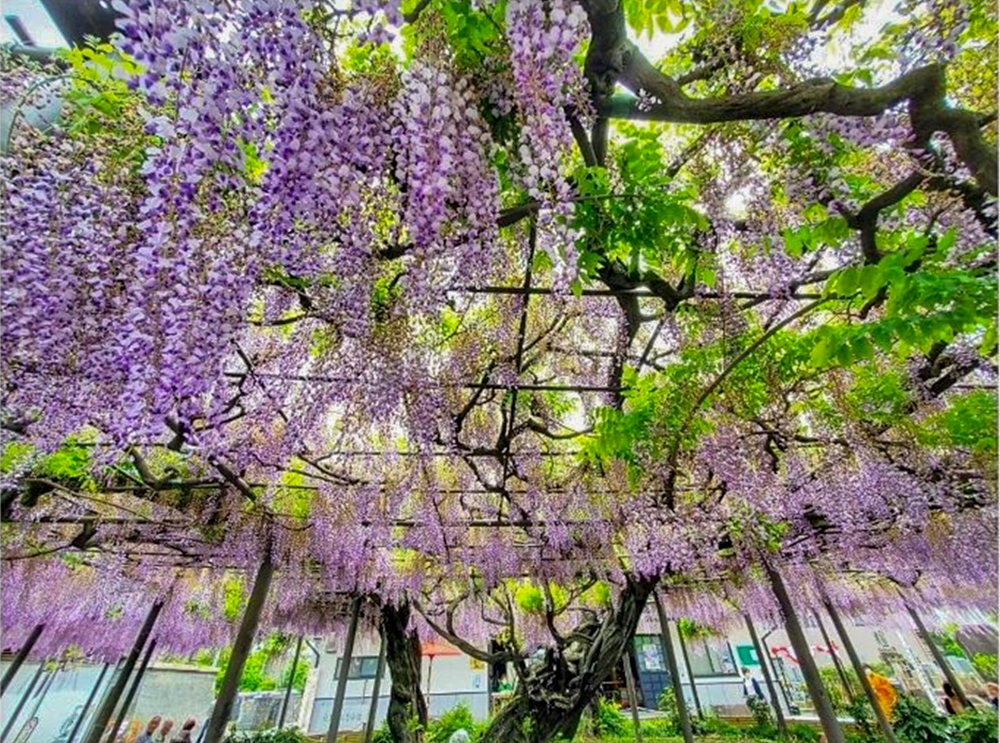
(360, 668)
(711, 657)
(649, 653)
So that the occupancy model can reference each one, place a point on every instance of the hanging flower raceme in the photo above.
(442, 152)
(549, 87)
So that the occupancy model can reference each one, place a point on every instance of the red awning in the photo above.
(435, 649)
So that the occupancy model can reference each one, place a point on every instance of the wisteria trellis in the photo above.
(419, 321)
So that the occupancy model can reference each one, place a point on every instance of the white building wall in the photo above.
(913, 664)
(454, 679)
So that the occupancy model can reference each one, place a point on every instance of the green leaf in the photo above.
(793, 245)
(871, 281)
(847, 283)
(823, 351)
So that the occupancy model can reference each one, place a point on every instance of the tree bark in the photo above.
(824, 709)
(132, 690)
(841, 673)
(223, 709)
(103, 714)
(938, 655)
(612, 57)
(18, 661)
(633, 698)
(291, 682)
(675, 674)
(86, 705)
(859, 669)
(553, 692)
(376, 689)
(779, 714)
(345, 671)
(407, 715)
(690, 673)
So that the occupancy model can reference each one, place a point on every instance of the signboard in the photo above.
(747, 655)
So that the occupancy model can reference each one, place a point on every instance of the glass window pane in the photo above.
(369, 667)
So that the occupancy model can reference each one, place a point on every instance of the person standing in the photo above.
(147, 734)
(751, 686)
(952, 704)
(991, 693)
(165, 729)
(184, 736)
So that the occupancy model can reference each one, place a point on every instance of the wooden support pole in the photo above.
(25, 731)
(376, 689)
(938, 655)
(866, 685)
(22, 701)
(86, 705)
(633, 698)
(841, 671)
(779, 714)
(215, 730)
(690, 673)
(291, 682)
(19, 659)
(132, 690)
(107, 707)
(821, 700)
(345, 663)
(675, 676)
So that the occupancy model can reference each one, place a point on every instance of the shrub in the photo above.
(916, 721)
(976, 726)
(802, 732)
(763, 723)
(457, 718)
(608, 721)
(657, 728)
(667, 703)
(271, 735)
(864, 719)
(712, 724)
(835, 687)
(383, 734)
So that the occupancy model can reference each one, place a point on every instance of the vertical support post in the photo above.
(866, 684)
(19, 659)
(675, 676)
(41, 694)
(633, 698)
(841, 672)
(345, 663)
(130, 695)
(291, 681)
(86, 705)
(22, 701)
(824, 710)
(779, 714)
(774, 669)
(215, 729)
(376, 688)
(690, 673)
(938, 655)
(107, 707)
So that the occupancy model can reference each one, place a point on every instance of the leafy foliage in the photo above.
(607, 720)
(976, 726)
(457, 718)
(271, 735)
(916, 722)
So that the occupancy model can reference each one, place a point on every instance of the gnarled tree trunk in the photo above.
(554, 692)
(407, 716)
